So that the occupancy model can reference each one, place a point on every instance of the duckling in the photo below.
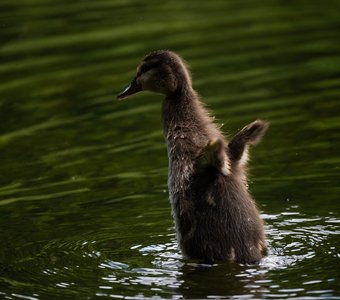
(215, 217)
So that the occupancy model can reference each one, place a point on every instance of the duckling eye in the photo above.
(145, 68)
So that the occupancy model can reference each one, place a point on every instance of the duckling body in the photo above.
(215, 217)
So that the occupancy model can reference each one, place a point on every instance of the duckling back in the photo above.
(215, 216)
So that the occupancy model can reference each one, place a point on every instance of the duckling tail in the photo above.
(251, 134)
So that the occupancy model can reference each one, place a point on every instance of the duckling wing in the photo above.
(251, 134)
(214, 155)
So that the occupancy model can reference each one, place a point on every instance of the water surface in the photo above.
(84, 209)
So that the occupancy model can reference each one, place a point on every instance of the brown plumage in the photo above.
(215, 216)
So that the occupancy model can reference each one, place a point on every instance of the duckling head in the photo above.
(162, 72)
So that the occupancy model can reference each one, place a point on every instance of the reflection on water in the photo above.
(169, 271)
(83, 196)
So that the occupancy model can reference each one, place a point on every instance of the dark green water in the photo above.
(84, 210)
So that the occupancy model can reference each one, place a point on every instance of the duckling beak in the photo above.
(131, 89)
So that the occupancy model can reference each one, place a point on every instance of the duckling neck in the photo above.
(182, 109)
